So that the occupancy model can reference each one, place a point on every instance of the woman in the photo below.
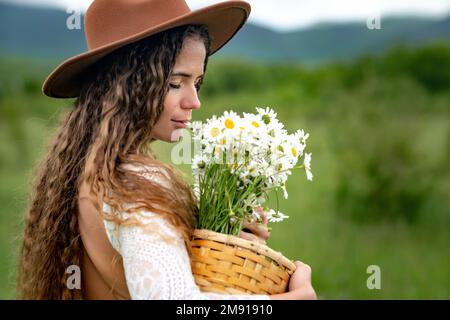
(102, 201)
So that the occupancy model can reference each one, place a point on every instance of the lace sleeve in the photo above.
(156, 261)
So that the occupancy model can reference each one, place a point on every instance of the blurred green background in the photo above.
(379, 129)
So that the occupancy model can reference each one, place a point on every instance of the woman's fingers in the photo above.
(262, 214)
(258, 230)
(251, 237)
(304, 270)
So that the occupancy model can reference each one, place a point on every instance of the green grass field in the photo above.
(380, 141)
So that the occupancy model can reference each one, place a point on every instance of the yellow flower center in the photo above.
(229, 124)
(255, 124)
(242, 128)
(294, 152)
(222, 141)
(214, 132)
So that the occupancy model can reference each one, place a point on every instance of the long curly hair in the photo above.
(109, 126)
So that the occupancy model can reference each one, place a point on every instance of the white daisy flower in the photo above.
(212, 131)
(275, 216)
(199, 162)
(196, 128)
(230, 120)
(267, 115)
(253, 122)
(307, 164)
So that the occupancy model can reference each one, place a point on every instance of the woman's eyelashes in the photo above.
(174, 86)
(178, 86)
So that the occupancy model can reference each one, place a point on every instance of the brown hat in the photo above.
(111, 24)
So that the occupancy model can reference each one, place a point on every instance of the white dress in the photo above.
(157, 264)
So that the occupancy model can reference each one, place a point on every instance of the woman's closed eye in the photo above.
(174, 86)
(178, 86)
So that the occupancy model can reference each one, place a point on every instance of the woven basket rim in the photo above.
(247, 244)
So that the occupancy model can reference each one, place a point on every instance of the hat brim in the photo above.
(222, 19)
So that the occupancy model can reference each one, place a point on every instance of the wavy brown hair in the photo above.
(109, 126)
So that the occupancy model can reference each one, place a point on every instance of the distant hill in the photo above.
(42, 33)
(38, 32)
(336, 41)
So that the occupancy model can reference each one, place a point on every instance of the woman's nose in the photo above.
(192, 101)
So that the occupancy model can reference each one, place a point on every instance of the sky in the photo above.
(286, 15)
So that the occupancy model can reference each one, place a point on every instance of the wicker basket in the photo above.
(228, 264)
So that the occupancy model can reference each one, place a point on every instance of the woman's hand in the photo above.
(300, 282)
(257, 231)
(300, 287)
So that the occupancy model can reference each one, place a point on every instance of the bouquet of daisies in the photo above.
(239, 159)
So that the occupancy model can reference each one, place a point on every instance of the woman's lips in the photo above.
(180, 124)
